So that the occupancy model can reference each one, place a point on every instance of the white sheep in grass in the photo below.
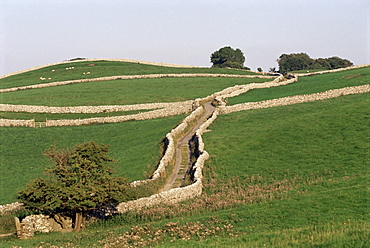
(42, 78)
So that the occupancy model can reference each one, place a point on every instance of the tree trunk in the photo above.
(64, 221)
(79, 222)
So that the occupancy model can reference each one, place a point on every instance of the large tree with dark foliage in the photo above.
(79, 180)
(301, 61)
(228, 57)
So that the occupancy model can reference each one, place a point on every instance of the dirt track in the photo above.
(175, 180)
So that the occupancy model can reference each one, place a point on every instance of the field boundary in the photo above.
(180, 194)
(330, 71)
(130, 77)
(296, 99)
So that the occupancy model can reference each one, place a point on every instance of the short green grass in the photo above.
(41, 117)
(307, 71)
(308, 85)
(100, 69)
(123, 92)
(135, 145)
(323, 146)
(330, 137)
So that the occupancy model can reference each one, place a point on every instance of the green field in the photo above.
(290, 176)
(324, 205)
(101, 69)
(135, 145)
(308, 85)
(46, 116)
(123, 92)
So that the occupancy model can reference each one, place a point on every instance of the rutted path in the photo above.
(176, 178)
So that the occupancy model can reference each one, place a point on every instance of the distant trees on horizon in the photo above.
(228, 57)
(301, 61)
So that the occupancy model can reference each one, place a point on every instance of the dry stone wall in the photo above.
(177, 194)
(169, 111)
(169, 154)
(10, 207)
(295, 99)
(180, 194)
(86, 109)
(171, 196)
(330, 71)
(17, 123)
(125, 77)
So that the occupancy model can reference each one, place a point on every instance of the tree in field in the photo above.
(79, 180)
(228, 57)
(301, 61)
(294, 62)
(336, 62)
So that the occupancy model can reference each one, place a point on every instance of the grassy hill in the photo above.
(123, 92)
(100, 69)
(291, 176)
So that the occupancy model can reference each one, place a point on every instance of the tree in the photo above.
(336, 62)
(294, 62)
(79, 180)
(301, 61)
(228, 57)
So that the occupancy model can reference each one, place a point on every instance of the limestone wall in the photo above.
(329, 71)
(177, 194)
(170, 111)
(295, 99)
(17, 123)
(86, 109)
(169, 154)
(171, 196)
(10, 207)
(180, 194)
(126, 77)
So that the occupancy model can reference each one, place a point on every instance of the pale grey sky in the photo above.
(38, 32)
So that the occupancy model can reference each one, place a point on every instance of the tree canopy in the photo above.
(228, 57)
(301, 61)
(80, 179)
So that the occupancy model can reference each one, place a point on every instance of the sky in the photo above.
(39, 32)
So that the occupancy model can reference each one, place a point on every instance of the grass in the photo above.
(308, 85)
(330, 136)
(308, 179)
(306, 71)
(101, 69)
(291, 176)
(123, 92)
(134, 145)
(40, 117)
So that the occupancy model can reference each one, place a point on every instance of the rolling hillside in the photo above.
(286, 176)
